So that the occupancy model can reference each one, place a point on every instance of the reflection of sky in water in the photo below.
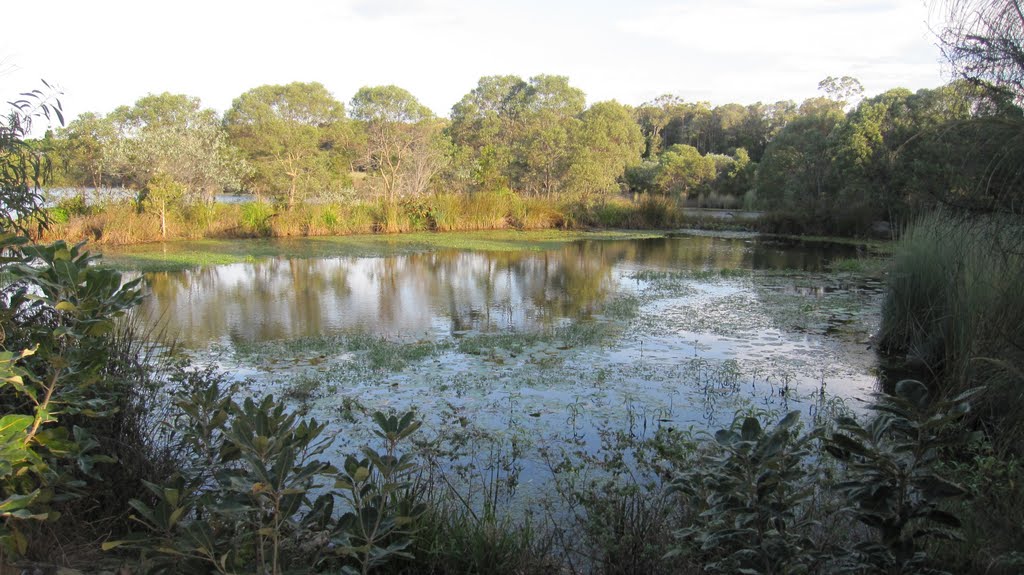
(411, 295)
(697, 350)
(432, 294)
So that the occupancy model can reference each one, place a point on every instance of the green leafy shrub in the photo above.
(892, 480)
(750, 490)
(250, 492)
(59, 312)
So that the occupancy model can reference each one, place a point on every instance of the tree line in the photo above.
(831, 164)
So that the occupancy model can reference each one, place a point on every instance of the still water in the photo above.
(441, 293)
(529, 351)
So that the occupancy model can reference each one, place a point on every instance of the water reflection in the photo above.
(436, 293)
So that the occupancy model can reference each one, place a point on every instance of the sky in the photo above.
(105, 53)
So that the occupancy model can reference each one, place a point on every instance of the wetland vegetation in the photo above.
(391, 374)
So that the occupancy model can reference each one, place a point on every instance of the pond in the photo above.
(529, 349)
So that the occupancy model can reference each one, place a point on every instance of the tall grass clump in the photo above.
(488, 210)
(390, 218)
(358, 218)
(444, 211)
(255, 218)
(955, 308)
(536, 213)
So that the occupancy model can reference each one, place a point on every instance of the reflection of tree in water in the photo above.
(282, 298)
(445, 290)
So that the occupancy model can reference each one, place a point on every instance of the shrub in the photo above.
(893, 482)
(245, 501)
(750, 491)
(64, 405)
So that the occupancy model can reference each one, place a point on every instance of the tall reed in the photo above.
(955, 307)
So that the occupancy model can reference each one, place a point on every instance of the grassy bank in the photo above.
(169, 256)
(129, 223)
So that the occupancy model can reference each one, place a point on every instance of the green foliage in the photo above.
(608, 141)
(22, 166)
(256, 218)
(60, 311)
(892, 480)
(749, 490)
(88, 149)
(795, 171)
(682, 170)
(172, 134)
(953, 309)
(246, 498)
(162, 193)
(242, 498)
(992, 513)
(388, 104)
(295, 136)
(378, 489)
(405, 145)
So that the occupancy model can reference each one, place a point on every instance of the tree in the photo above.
(296, 137)
(549, 122)
(984, 42)
(88, 142)
(682, 170)
(162, 192)
(531, 136)
(795, 173)
(688, 125)
(403, 139)
(865, 147)
(845, 90)
(757, 126)
(172, 134)
(653, 117)
(22, 166)
(607, 142)
(484, 128)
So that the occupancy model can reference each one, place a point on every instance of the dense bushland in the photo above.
(530, 154)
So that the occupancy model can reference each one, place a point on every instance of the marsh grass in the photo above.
(623, 307)
(127, 222)
(370, 351)
(671, 278)
(954, 309)
(867, 266)
(575, 334)
(382, 354)
(452, 540)
(172, 256)
(302, 388)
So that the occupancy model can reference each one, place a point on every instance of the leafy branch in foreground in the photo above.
(251, 493)
(891, 480)
(748, 490)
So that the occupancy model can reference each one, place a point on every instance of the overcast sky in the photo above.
(108, 53)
